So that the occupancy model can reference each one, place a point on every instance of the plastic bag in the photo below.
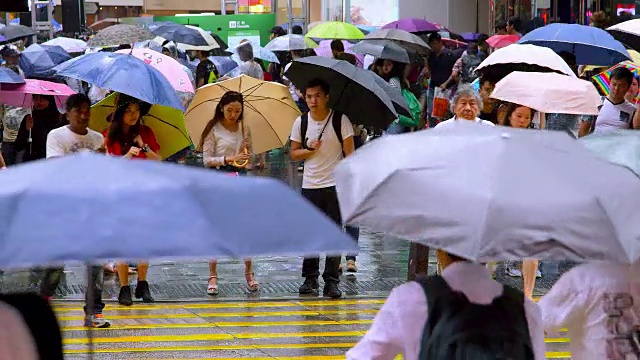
(440, 103)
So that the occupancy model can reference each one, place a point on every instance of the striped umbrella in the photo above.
(604, 78)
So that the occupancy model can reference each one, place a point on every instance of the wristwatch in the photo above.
(146, 148)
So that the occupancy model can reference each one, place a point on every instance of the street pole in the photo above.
(346, 11)
(477, 16)
(290, 15)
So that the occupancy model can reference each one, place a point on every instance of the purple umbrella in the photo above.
(414, 25)
(324, 50)
(470, 36)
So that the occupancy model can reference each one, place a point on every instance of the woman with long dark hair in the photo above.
(32, 135)
(394, 73)
(128, 138)
(226, 147)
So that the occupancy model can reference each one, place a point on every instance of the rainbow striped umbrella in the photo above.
(604, 78)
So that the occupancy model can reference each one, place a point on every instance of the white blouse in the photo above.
(221, 143)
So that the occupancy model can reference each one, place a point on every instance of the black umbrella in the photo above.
(16, 32)
(355, 92)
(382, 49)
(404, 38)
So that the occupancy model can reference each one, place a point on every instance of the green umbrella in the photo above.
(335, 30)
(621, 147)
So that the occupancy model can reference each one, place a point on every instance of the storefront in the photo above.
(361, 12)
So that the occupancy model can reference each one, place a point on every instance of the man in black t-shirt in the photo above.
(206, 72)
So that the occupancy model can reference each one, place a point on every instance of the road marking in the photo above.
(230, 314)
(211, 348)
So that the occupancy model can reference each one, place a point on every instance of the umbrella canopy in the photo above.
(258, 52)
(500, 41)
(8, 76)
(382, 49)
(335, 30)
(351, 87)
(120, 34)
(589, 44)
(189, 212)
(269, 110)
(496, 206)
(518, 54)
(122, 73)
(290, 42)
(470, 36)
(223, 64)
(16, 32)
(549, 93)
(402, 37)
(621, 147)
(167, 124)
(324, 49)
(20, 95)
(156, 24)
(603, 79)
(39, 60)
(169, 67)
(414, 25)
(68, 44)
(627, 32)
(103, 24)
(367, 29)
(187, 37)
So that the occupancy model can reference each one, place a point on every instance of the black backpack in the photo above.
(336, 121)
(469, 65)
(460, 330)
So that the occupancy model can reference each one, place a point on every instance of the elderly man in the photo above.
(466, 105)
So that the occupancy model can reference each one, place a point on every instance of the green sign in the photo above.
(231, 28)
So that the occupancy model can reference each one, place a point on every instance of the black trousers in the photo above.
(93, 304)
(326, 200)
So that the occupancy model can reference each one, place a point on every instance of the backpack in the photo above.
(460, 330)
(469, 65)
(336, 121)
(414, 107)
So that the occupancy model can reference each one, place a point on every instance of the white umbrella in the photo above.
(527, 54)
(549, 93)
(627, 32)
(70, 45)
(494, 193)
(290, 42)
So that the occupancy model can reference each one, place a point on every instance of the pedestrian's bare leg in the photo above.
(142, 271)
(529, 269)
(252, 284)
(123, 273)
(212, 286)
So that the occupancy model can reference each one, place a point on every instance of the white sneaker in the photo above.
(513, 272)
(538, 274)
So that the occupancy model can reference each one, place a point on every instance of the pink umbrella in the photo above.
(500, 41)
(21, 95)
(169, 67)
(324, 49)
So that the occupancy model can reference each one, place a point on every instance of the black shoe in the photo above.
(310, 286)
(142, 292)
(125, 296)
(331, 290)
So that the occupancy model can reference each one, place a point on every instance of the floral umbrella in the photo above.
(120, 34)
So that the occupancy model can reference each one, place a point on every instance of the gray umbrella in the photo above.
(493, 193)
(382, 49)
(15, 32)
(621, 147)
(290, 42)
(405, 39)
(120, 34)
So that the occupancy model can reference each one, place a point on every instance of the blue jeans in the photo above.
(354, 232)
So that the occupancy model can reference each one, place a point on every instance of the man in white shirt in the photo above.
(398, 327)
(319, 146)
(70, 139)
(466, 105)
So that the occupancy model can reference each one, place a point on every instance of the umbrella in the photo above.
(103, 24)
(68, 44)
(8, 76)
(39, 60)
(19, 95)
(290, 42)
(223, 64)
(429, 187)
(404, 38)
(335, 30)
(115, 204)
(16, 32)
(324, 49)
(156, 24)
(627, 32)
(414, 25)
(541, 59)
(269, 110)
(122, 73)
(120, 34)
(589, 44)
(367, 29)
(603, 79)
(167, 124)
(187, 37)
(169, 67)
(621, 147)
(549, 93)
(500, 41)
(635, 58)
(382, 49)
(470, 36)
(351, 87)
(258, 53)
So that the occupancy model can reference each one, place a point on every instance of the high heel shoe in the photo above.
(212, 289)
(143, 292)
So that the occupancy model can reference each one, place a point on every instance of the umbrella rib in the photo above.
(170, 124)
(249, 105)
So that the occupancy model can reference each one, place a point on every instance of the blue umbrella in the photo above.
(590, 45)
(95, 207)
(224, 64)
(38, 61)
(8, 76)
(122, 73)
(470, 36)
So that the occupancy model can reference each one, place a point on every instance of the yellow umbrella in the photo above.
(269, 110)
(167, 124)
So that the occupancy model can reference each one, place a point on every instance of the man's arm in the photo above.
(297, 153)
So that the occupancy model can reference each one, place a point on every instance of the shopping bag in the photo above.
(440, 103)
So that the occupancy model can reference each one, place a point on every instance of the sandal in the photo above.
(212, 289)
(252, 284)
